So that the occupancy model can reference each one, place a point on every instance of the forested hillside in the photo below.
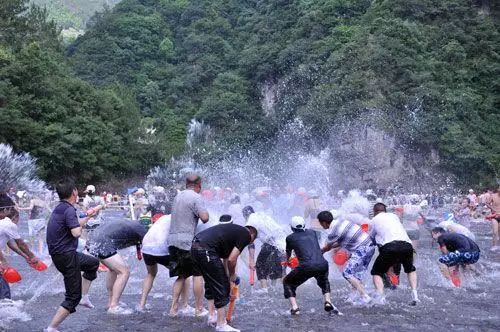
(429, 70)
(72, 127)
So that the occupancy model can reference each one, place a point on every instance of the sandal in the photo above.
(295, 312)
(328, 306)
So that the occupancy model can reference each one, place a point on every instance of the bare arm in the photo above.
(21, 248)
(203, 217)
(251, 257)
(231, 263)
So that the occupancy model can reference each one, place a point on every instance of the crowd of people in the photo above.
(207, 237)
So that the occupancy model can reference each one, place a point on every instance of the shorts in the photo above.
(459, 258)
(154, 260)
(298, 276)
(181, 263)
(268, 264)
(358, 262)
(395, 252)
(217, 287)
(36, 226)
(71, 265)
(413, 234)
(101, 252)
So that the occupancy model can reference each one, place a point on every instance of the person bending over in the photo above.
(215, 252)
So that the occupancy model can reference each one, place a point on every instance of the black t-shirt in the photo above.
(115, 235)
(62, 220)
(306, 248)
(224, 238)
(455, 241)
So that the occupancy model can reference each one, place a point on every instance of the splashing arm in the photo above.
(3, 262)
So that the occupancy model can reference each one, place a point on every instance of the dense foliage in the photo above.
(71, 127)
(430, 69)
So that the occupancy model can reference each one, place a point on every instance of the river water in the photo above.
(474, 307)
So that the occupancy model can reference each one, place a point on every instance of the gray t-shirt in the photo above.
(185, 214)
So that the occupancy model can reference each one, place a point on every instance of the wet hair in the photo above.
(438, 230)
(325, 216)
(253, 231)
(193, 180)
(225, 218)
(380, 207)
(6, 206)
(247, 210)
(65, 188)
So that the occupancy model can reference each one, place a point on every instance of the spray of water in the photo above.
(18, 170)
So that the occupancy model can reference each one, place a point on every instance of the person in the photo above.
(188, 207)
(349, 236)
(473, 201)
(215, 252)
(453, 227)
(304, 244)
(155, 252)
(235, 210)
(37, 221)
(394, 248)
(312, 207)
(268, 263)
(141, 203)
(493, 203)
(463, 213)
(63, 231)
(104, 243)
(457, 250)
(91, 201)
(9, 235)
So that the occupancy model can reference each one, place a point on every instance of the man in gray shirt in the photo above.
(188, 207)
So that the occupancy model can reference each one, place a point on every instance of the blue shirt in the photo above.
(62, 220)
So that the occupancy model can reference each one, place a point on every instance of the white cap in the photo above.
(90, 189)
(298, 222)
(140, 191)
(471, 191)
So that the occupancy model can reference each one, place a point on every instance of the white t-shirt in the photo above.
(450, 226)
(8, 231)
(155, 241)
(388, 228)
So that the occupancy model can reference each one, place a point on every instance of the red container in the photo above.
(39, 266)
(11, 275)
(364, 228)
(340, 257)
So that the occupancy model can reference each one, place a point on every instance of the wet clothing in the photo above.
(71, 265)
(8, 231)
(207, 249)
(268, 263)
(386, 227)
(394, 253)
(153, 260)
(188, 205)
(311, 262)
(108, 238)
(348, 235)
(306, 248)
(62, 220)
(155, 242)
(457, 242)
(181, 263)
(358, 263)
(462, 258)
(4, 288)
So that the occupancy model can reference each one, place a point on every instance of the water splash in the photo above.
(18, 170)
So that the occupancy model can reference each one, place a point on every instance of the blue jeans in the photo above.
(4, 289)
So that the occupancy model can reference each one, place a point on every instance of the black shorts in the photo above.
(217, 287)
(181, 263)
(154, 260)
(268, 264)
(298, 276)
(395, 252)
(71, 265)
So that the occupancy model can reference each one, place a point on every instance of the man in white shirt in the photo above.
(394, 248)
(9, 235)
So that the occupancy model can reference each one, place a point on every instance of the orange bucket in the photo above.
(11, 275)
